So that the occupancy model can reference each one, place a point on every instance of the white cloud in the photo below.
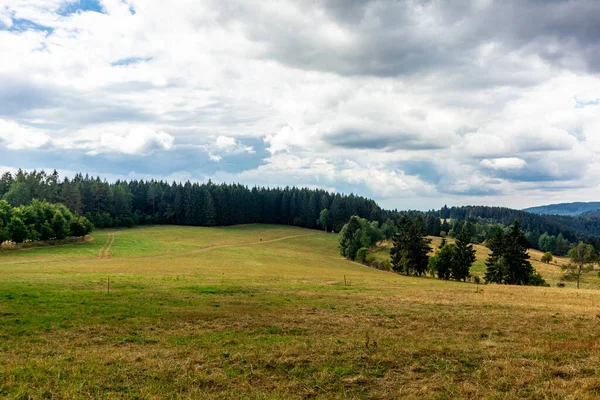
(335, 97)
(18, 137)
(132, 140)
(226, 146)
(504, 163)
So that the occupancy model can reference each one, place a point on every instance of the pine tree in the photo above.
(495, 262)
(464, 256)
(208, 210)
(509, 262)
(410, 247)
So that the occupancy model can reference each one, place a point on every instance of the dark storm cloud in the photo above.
(396, 38)
(364, 139)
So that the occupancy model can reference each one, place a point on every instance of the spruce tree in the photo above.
(208, 210)
(495, 262)
(411, 247)
(464, 256)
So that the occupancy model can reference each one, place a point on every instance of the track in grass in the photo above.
(112, 241)
(101, 250)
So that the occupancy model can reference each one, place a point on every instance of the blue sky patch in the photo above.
(130, 60)
(22, 25)
(80, 6)
(582, 103)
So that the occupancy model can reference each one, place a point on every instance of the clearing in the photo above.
(261, 311)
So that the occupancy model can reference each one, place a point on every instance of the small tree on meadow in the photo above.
(547, 258)
(582, 257)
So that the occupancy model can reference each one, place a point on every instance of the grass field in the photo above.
(262, 312)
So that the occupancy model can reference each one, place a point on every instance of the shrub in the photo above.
(361, 254)
(385, 265)
(476, 279)
(375, 264)
(547, 258)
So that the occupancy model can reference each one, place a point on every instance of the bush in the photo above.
(476, 279)
(560, 284)
(547, 258)
(375, 264)
(361, 254)
(385, 266)
(537, 280)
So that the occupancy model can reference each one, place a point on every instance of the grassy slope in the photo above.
(195, 315)
(552, 272)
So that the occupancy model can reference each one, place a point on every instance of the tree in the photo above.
(350, 238)
(46, 231)
(509, 262)
(80, 226)
(464, 255)
(411, 247)
(209, 214)
(324, 219)
(355, 234)
(546, 242)
(441, 263)
(18, 230)
(60, 226)
(561, 246)
(388, 228)
(443, 242)
(581, 257)
(547, 258)
(19, 194)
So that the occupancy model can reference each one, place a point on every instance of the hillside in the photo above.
(572, 228)
(552, 272)
(266, 311)
(569, 209)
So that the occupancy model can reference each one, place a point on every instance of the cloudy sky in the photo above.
(416, 103)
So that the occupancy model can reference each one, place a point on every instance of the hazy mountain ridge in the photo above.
(568, 209)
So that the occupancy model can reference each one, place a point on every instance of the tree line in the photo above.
(574, 229)
(40, 220)
(139, 202)
(410, 253)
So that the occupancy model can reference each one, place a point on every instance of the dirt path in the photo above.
(103, 246)
(107, 251)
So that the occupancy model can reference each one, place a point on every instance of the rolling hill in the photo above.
(267, 311)
(568, 209)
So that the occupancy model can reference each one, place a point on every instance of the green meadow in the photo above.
(273, 312)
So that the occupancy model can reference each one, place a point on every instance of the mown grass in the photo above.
(273, 319)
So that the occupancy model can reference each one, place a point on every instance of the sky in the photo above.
(415, 103)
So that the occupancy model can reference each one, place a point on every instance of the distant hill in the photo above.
(591, 214)
(570, 209)
(573, 228)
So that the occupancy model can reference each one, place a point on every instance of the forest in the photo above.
(140, 202)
